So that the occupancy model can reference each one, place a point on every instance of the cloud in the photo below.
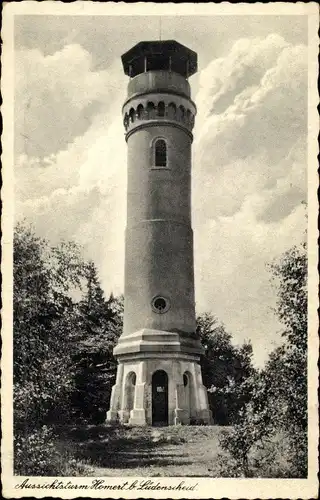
(80, 195)
(226, 78)
(78, 191)
(249, 179)
(57, 96)
(246, 148)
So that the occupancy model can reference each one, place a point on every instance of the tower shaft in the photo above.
(159, 351)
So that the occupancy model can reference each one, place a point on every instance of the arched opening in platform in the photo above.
(130, 387)
(160, 398)
(189, 393)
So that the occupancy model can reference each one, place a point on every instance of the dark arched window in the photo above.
(150, 110)
(132, 115)
(161, 109)
(140, 112)
(160, 153)
(182, 112)
(172, 110)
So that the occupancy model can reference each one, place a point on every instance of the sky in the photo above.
(249, 151)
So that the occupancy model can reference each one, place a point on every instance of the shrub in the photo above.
(37, 454)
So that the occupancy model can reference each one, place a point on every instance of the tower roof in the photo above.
(160, 55)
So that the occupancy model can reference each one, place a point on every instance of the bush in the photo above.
(227, 466)
(274, 456)
(37, 454)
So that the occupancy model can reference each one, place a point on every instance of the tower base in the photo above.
(157, 388)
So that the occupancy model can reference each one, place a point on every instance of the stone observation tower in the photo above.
(159, 379)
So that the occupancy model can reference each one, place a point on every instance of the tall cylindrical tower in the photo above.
(159, 377)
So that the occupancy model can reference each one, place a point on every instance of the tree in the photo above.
(64, 332)
(224, 367)
(44, 314)
(290, 277)
(95, 367)
(286, 370)
(275, 416)
(253, 425)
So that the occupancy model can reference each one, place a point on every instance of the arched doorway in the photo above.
(159, 398)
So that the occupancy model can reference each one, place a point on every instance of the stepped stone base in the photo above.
(138, 399)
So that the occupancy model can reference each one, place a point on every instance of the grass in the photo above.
(107, 450)
(114, 450)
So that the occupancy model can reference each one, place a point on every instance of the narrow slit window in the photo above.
(160, 153)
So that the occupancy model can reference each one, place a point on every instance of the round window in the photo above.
(160, 305)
